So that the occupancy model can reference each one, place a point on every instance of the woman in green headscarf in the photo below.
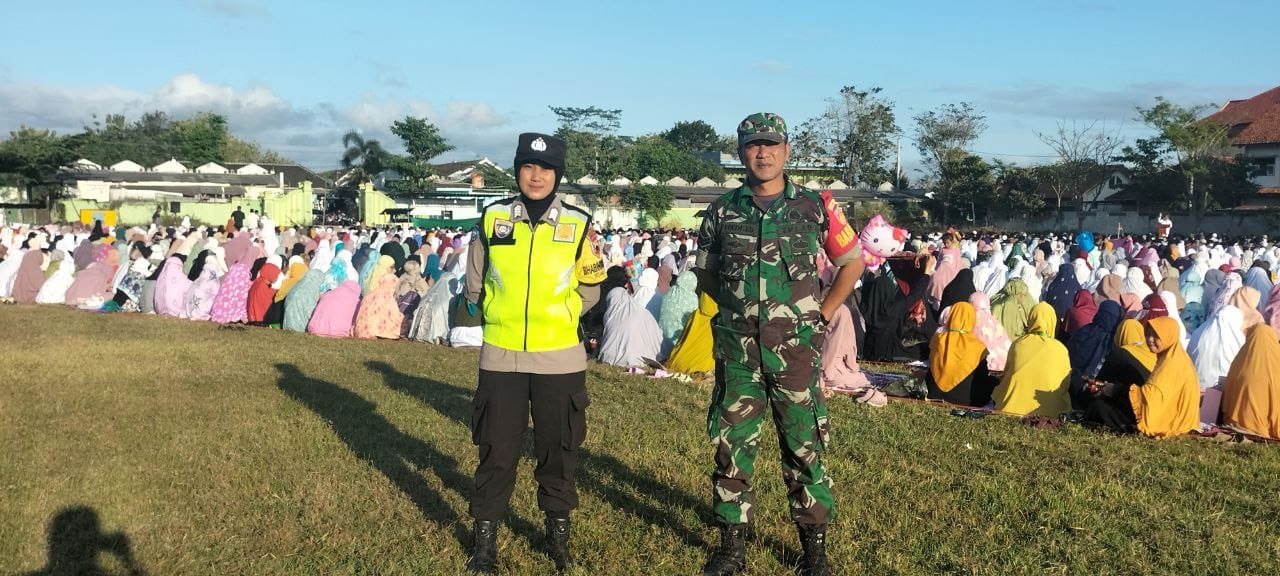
(1019, 253)
(679, 303)
(1012, 307)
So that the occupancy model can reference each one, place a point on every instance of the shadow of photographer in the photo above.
(77, 544)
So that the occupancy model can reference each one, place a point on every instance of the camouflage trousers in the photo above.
(800, 417)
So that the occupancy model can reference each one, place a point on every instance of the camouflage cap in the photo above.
(762, 126)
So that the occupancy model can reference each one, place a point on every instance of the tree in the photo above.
(422, 140)
(366, 156)
(855, 134)
(591, 146)
(693, 137)
(944, 134)
(652, 202)
(589, 119)
(30, 157)
(237, 150)
(656, 156)
(728, 145)
(200, 139)
(155, 138)
(1017, 192)
(1194, 143)
(972, 183)
(1159, 183)
(1080, 172)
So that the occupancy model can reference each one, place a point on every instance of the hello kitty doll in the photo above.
(880, 240)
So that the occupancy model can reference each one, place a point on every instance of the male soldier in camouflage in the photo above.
(757, 256)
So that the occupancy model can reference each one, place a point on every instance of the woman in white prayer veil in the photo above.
(1121, 269)
(458, 261)
(647, 293)
(1055, 262)
(982, 273)
(1134, 284)
(1095, 278)
(431, 320)
(1215, 343)
(1081, 269)
(1028, 274)
(54, 290)
(999, 275)
(631, 333)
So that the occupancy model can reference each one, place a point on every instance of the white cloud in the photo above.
(308, 134)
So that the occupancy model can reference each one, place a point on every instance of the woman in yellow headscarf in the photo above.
(1038, 370)
(1129, 364)
(1251, 396)
(957, 373)
(1246, 299)
(693, 353)
(1168, 404)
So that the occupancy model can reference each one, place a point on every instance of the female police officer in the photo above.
(532, 272)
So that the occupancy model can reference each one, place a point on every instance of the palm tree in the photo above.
(367, 156)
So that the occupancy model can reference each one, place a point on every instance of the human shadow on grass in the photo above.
(76, 543)
(377, 441)
(610, 479)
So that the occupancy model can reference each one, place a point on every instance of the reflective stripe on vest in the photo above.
(531, 301)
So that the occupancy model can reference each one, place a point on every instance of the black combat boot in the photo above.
(484, 553)
(813, 538)
(731, 557)
(558, 542)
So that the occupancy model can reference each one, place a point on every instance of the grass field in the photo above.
(183, 448)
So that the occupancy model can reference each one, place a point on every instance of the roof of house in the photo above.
(448, 168)
(1097, 176)
(177, 177)
(294, 174)
(191, 191)
(1252, 121)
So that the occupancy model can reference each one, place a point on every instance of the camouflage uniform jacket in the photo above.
(766, 266)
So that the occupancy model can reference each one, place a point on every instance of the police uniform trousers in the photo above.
(500, 414)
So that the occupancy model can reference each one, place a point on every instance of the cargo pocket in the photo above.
(821, 421)
(576, 431)
(713, 411)
(479, 409)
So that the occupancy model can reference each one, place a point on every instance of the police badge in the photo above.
(502, 229)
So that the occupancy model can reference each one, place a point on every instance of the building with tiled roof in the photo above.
(1253, 127)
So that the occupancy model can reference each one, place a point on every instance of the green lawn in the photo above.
(203, 450)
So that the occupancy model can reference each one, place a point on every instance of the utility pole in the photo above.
(897, 170)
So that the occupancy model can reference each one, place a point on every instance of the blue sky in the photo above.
(296, 75)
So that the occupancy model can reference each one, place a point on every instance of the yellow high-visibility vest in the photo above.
(531, 302)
